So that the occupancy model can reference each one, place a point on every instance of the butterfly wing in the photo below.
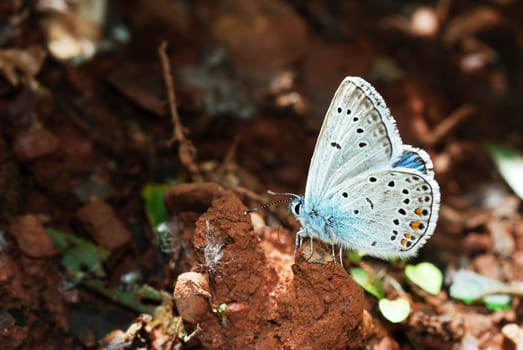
(415, 158)
(358, 134)
(365, 189)
(385, 213)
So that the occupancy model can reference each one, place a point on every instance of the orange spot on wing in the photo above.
(407, 235)
(418, 211)
(414, 225)
(404, 242)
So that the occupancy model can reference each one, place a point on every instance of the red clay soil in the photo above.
(317, 306)
(79, 143)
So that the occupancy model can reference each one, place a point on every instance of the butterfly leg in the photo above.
(341, 256)
(297, 243)
(331, 236)
(299, 240)
(310, 256)
(333, 254)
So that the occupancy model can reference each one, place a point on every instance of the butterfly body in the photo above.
(366, 190)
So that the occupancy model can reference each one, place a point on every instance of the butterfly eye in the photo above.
(295, 205)
(297, 208)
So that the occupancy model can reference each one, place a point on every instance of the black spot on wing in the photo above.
(336, 145)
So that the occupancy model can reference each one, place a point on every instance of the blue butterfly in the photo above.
(366, 190)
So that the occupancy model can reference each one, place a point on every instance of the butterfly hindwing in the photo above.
(415, 158)
(386, 213)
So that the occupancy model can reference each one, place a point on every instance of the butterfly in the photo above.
(366, 190)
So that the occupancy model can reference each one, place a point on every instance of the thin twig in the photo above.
(228, 161)
(178, 135)
(186, 150)
(449, 124)
(510, 290)
(442, 10)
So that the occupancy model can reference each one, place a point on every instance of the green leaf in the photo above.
(368, 281)
(220, 309)
(153, 196)
(84, 257)
(509, 164)
(469, 286)
(154, 204)
(426, 276)
(131, 299)
(79, 255)
(499, 303)
(58, 238)
(394, 310)
(353, 256)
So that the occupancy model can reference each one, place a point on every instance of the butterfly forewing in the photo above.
(357, 134)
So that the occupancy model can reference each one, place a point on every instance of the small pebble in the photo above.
(191, 295)
(31, 236)
(35, 143)
(102, 224)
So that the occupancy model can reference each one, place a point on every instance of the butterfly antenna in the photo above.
(272, 203)
(266, 205)
(283, 194)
